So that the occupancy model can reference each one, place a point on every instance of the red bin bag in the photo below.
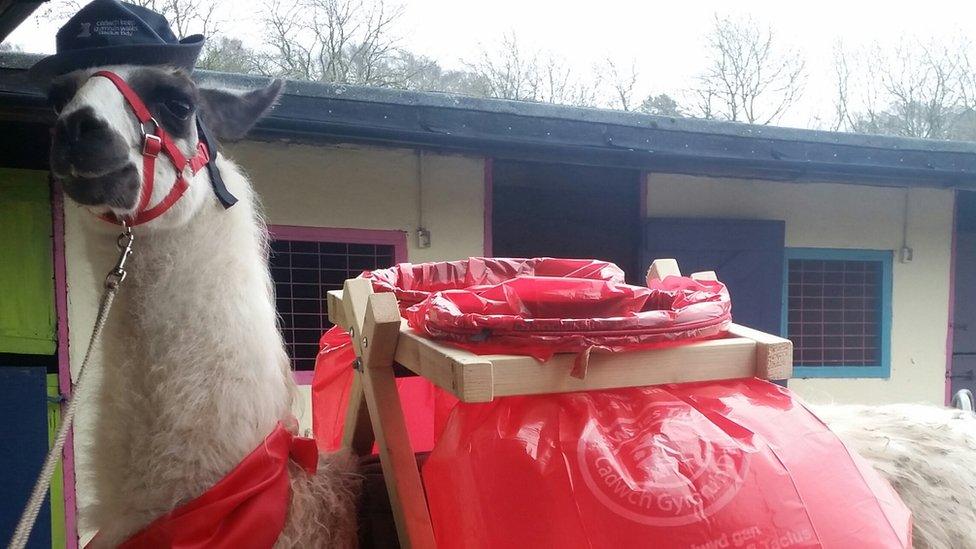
(543, 306)
(542, 316)
(413, 283)
(425, 406)
(730, 464)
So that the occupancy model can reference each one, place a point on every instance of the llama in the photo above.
(194, 375)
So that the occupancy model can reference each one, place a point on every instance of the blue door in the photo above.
(746, 254)
(23, 432)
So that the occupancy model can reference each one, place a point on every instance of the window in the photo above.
(837, 312)
(306, 263)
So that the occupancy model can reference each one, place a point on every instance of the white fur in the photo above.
(194, 374)
(928, 454)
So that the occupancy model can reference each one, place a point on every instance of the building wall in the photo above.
(372, 188)
(322, 186)
(846, 216)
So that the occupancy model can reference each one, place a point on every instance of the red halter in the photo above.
(154, 142)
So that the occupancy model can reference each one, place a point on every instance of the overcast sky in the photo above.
(665, 39)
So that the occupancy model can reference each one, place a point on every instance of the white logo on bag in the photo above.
(657, 470)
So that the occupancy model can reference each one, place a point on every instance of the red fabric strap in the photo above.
(148, 166)
(246, 508)
(153, 144)
(138, 107)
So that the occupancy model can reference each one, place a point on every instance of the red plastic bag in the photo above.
(544, 306)
(737, 463)
(413, 283)
(425, 406)
(542, 316)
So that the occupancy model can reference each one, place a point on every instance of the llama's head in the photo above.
(97, 145)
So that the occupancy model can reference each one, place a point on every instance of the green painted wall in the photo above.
(57, 482)
(27, 317)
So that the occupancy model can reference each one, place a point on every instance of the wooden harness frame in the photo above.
(381, 340)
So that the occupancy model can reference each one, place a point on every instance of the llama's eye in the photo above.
(178, 108)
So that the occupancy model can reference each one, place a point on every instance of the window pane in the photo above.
(303, 272)
(832, 312)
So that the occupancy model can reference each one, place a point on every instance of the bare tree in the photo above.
(231, 55)
(186, 17)
(347, 41)
(923, 83)
(622, 82)
(914, 89)
(749, 78)
(842, 74)
(967, 77)
(559, 84)
(509, 71)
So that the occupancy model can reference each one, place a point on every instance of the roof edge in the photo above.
(347, 92)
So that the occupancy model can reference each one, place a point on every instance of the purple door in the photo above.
(964, 308)
(746, 254)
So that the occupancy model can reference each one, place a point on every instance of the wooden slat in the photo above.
(337, 312)
(719, 359)
(355, 296)
(357, 430)
(704, 275)
(474, 378)
(466, 375)
(774, 355)
(381, 330)
(662, 268)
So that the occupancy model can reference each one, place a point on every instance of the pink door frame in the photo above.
(395, 238)
(64, 363)
(489, 202)
(952, 300)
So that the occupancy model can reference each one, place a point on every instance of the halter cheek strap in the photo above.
(156, 141)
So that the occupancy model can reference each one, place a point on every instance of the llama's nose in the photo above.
(84, 143)
(79, 126)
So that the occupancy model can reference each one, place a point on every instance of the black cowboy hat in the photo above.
(110, 32)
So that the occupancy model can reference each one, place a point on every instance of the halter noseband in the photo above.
(156, 140)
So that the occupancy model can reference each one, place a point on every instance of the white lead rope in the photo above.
(112, 282)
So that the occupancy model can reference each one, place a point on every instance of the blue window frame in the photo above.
(837, 311)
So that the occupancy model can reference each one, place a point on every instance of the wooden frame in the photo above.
(381, 340)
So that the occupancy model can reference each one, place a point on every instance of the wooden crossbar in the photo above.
(473, 378)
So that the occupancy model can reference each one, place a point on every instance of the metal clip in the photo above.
(117, 274)
(151, 150)
(150, 136)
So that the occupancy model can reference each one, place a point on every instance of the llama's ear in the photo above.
(230, 115)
